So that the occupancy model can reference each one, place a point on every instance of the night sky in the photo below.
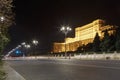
(42, 19)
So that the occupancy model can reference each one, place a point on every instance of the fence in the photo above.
(103, 56)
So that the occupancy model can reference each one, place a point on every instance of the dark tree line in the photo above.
(117, 43)
(107, 44)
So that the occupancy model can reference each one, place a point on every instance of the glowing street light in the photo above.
(27, 46)
(23, 43)
(2, 18)
(65, 30)
(35, 42)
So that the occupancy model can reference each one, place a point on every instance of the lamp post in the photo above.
(65, 30)
(27, 46)
(23, 45)
(35, 42)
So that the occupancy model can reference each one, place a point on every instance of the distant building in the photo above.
(84, 35)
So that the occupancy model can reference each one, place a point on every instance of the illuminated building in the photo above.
(84, 35)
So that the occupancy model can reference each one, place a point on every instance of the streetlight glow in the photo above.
(2, 18)
(63, 28)
(23, 43)
(35, 42)
(69, 29)
(27, 46)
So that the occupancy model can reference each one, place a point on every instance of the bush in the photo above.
(2, 72)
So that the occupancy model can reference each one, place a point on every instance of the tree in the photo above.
(112, 42)
(6, 20)
(88, 47)
(81, 49)
(96, 43)
(105, 43)
(117, 44)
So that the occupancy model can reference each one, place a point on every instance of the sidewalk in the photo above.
(11, 73)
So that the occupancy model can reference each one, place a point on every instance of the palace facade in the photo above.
(84, 35)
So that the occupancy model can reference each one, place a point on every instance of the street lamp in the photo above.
(27, 46)
(23, 45)
(2, 18)
(35, 42)
(65, 30)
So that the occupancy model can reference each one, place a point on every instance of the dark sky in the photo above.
(41, 19)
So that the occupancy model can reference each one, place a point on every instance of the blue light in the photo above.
(18, 52)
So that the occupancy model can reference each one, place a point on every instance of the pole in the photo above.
(65, 46)
(35, 52)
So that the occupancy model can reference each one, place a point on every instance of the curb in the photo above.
(11, 73)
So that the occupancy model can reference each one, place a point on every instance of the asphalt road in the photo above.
(48, 69)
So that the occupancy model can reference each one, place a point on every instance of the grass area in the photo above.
(2, 72)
